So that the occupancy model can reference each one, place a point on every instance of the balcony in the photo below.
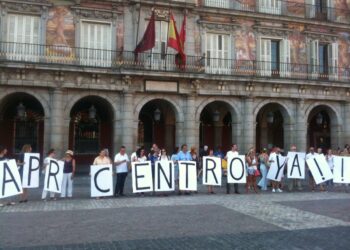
(43, 56)
(279, 7)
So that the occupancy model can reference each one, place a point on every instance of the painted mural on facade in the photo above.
(344, 53)
(296, 8)
(245, 42)
(60, 31)
(342, 10)
(297, 44)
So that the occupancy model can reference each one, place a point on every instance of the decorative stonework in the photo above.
(27, 7)
(211, 26)
(99, 14)
(324, 37)
(272, 31)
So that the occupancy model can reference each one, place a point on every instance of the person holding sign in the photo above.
(184, 155)
(264, 164)
(330, 161)
(3, 153)
(311, 155)
(27, 148)
(121, 161)
(102, 159)
(273, 159)
(252, 162)
(231, 154)
(293, 182)
(210, 187)
(50, 155)
(68, 174)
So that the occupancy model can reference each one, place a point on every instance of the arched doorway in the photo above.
(157, 125)
(21, 122)
(216, 126)
(91, 128)
(270, 124)
(319, 128)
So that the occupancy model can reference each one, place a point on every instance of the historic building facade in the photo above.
(258, 73)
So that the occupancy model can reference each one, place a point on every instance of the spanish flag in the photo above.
(175, 42)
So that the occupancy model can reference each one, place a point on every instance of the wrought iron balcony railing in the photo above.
(111, 59)
(292, 8)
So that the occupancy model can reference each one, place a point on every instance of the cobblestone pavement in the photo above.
(300, 220)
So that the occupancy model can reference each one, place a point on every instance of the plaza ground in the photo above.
(297, 220)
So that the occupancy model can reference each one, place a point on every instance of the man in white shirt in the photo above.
(311, 155)
(273, 158)
(230, 154)
(121, 161)
(293, 183)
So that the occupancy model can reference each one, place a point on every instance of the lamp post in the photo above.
(157, 114)
(21, 111)
(270, 117)
(92, 112)
(216, 116)
(319, 119)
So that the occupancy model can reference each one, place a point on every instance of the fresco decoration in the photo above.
(297, 44)
(60, 32)
(344, 54)
(247, 4)
(342, 10)
(120, 35)
(296, 8)
(245, 45)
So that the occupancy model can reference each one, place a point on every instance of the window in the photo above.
(159, 56)
(23, 37)
(95, 44)
(323, 60)
(274, 57)
(320, 9)
(218, 3)
(270, 6)
(218, 54)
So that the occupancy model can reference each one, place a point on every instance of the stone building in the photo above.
(258, 73)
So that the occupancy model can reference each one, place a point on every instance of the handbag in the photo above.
(257, 173)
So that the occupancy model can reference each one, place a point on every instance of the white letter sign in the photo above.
(164, 174)
(54, 176)
(31, 170)
(236, 171)
(101, 180)
(276, 169)
(212, 171)
(319, 169)
(296, 165)
(341, 171)
(187, 176)
(142, 180)
(10, 180)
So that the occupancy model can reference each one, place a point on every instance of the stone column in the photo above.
(57, 137)
(249, 126)
(191, 125)
(301, 125)
(346, 123)
(128, 122)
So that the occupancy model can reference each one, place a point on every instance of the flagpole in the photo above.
(138, 24)
(167, 38)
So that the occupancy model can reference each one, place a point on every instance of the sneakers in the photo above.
(279, 190)
(273, 190)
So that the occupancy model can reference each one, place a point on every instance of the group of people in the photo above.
(257, 166)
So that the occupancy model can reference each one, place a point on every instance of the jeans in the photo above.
(263, 181)
(67, 181)
(119, 186)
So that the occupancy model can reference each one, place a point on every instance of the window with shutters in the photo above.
(270, 6)
(23, 37)
(218, 54)
(217, 3)
(95, 43)
(320, 9)
(323, 60)
(159, 56)
(274, 57)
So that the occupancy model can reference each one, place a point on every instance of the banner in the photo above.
(212, 171)
(10, 180)
(320, 169)
(341, 171)
(142, 180)
(276, 168)
(164, 174)
(101, 180)
(296, 165)
(31, 170)
(187, 176)
(54, 176)
(236, 170)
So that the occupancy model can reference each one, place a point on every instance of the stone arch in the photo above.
(233, 108)
(39, 97)
(332, 111)
(76, 98)
(179, 113)
(286, 112)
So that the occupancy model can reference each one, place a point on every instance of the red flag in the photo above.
(149, 38)
(183, 33)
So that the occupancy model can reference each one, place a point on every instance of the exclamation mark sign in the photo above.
(342, 169)
(319, 169)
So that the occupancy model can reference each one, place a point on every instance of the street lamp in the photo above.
(157, 114)
(92, 112)
(216, 116)
(270, 117)
(21, 111)
(319, 119)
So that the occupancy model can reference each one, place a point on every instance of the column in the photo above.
(128, 122)
(57, 137)
(346, 123)
(301, 126)
(191, 125)
(249, 126)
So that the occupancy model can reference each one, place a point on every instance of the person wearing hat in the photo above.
(264, 165)
(68, 174)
